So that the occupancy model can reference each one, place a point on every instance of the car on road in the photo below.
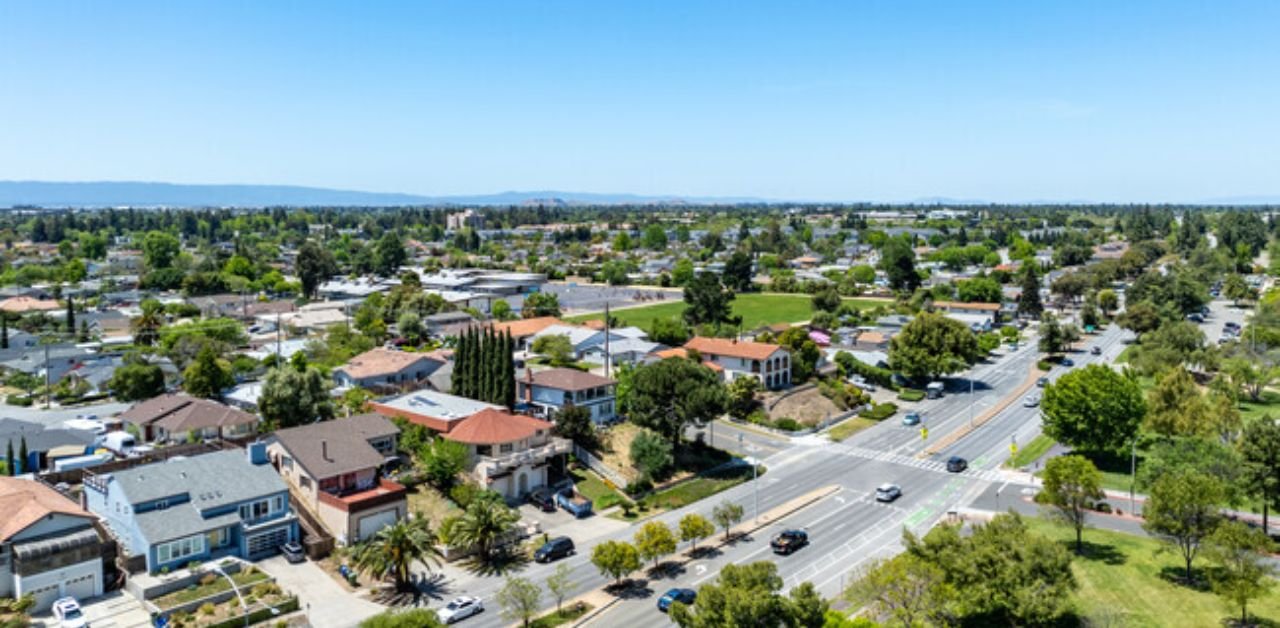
(888, 492)
(1195, 317)
(1096, 350)
(555, 549)
(789, 541)
(67, 612)
(1068, 362)
(956, 464)
(683, 596)
(1031, 401)
(911, 418)
(460, 608)
(293, 552)
(1042, 382)
(544, 499)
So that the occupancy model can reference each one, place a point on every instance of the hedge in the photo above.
(263, 614)
(911, 394)
(875, 375)
(879, 412)
(15, 400)
(1044, 365)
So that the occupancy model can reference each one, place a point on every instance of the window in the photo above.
(306, 481)
(288, 462)
(484, 450)
(162, 504)
(505, 448)
(279, 504)
(179, 549)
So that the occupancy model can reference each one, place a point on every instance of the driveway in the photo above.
(113, 610)
(327, 604)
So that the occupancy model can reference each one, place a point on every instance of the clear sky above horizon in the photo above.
(883, 101)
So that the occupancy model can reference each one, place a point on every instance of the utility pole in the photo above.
(608, 371)
(46, 374)
(1133, 467)
(970, 401)
(278, 332)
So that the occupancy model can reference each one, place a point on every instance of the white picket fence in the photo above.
(595, 464)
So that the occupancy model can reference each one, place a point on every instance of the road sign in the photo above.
(924, 433)
(1013, 448)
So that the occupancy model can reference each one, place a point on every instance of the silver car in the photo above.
(888, 492)
(1031, 401)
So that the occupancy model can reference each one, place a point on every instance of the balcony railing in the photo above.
(384, 492)
(493, 465)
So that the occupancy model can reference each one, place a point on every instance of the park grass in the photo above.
(1031, 452)
(1129, 579)
(849, 427)
(756, 310)
(687, 492)
(1268, 403)
(594, 488)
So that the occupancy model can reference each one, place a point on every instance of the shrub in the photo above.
(911, 394)
(642, 485)
(463, 494)
(207, 608)
(788, 424)
(879, 412)
(1044, 365)
(759, 417)
(17, 400)
(208, 579)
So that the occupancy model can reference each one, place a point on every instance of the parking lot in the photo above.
(561, 523)
(576, 298)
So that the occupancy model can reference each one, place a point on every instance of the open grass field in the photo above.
(756, 309)
(849, 427)
(1030, 452)
(1125, 578)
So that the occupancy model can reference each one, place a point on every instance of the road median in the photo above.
(1033, 374)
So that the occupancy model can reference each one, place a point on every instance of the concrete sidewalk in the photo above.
(325, 602)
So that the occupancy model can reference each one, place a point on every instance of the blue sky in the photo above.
(854, 100)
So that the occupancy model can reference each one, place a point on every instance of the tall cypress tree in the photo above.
(459, 384)
(71, 315)
(468, 365)
(8, 459)
(486, 365)
(22, 453)
(473, 366)
(4, 331)
(509, 371)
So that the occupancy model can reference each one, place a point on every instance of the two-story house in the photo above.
(176, 417)
(49, 547)
(508, 453)
(332, 467)
(227, 503)
(769, 363)
(544, 393)
(384, 368)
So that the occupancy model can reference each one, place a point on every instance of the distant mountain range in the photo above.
(140, 194)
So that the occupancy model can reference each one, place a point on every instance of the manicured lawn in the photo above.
(566, 615)
(688, 492)
(849, 427)
(1121, 575)
(594, 488)
(1030, 452)
(756, 309)
(1268, 403)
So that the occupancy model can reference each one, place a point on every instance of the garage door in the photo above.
(81, 588)
(44, 597)
(267, 543)
(370, 525)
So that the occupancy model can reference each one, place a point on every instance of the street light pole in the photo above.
(1133, 467)
(970, 400)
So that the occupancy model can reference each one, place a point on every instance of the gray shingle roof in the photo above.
(339, 446)
(212, 480)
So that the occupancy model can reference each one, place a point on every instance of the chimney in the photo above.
(324, 450)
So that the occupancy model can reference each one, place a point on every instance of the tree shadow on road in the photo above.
(630, 589)
(501, 563)
(426, 587)
(666, 569)
(704, 552)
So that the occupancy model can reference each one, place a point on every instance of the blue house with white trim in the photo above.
(228, 503)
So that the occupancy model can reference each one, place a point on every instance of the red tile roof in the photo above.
(26, 502)
(382, 361)
(956, 305)
(733, 348)
(528, 326)
(492, 427)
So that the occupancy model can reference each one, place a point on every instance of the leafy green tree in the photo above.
(146, 327)
(668, 395)
(979, 290)
(291, 398)
(727, 514)
(682, 272)
(389, 254)
(1107, 301)
(501, 310)
(654, 237)
(560, 585)
(1182, 510)
(1195, 454)
(1243, 571)
(694, 527)
(136, 380)
(394, 550)
(207, 376)
(1140, 317)
(410, 326)
(1260, 450)
(520, 599)
(1180, 342)
(827, 299)
(654, 540)
(1175, 406)
(651, 454)
(1093, 408)
(1252, 374)
(540, 304)
(1029, 305)
(708, 302)
(574, 423)
(1072, 485)
(1235, 288)
(908, 591)
(669, 331)
(556, 347)
(742, 397)
(483, 525)
(750, 595)
(737, 273)
(932, 345)
(442, 460)
(898, 261)
(615, 559)
(159, 250)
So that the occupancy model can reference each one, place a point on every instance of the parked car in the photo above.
(683, 596)
(1031, 401)
(1068, 362)
(956, 464)
(460, 608)
(1096, 350)
(911, 418)
(888, 492)
(1042, 382)
(789, 541)
(544, 499)
(67, 612)
(554, 549)
(293, 552)
(1195, 318)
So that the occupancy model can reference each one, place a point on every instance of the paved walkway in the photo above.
(325, 602)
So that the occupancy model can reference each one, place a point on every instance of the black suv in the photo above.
(544, 499)
(554, 549)
(956, 464)
(789, 541)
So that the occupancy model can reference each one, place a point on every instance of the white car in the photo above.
(888, 492)
(1031, 401)
(460, 608)
(67, 612)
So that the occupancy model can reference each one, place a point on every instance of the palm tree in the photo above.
(146, 328)
(395, 548)
(487, 519)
